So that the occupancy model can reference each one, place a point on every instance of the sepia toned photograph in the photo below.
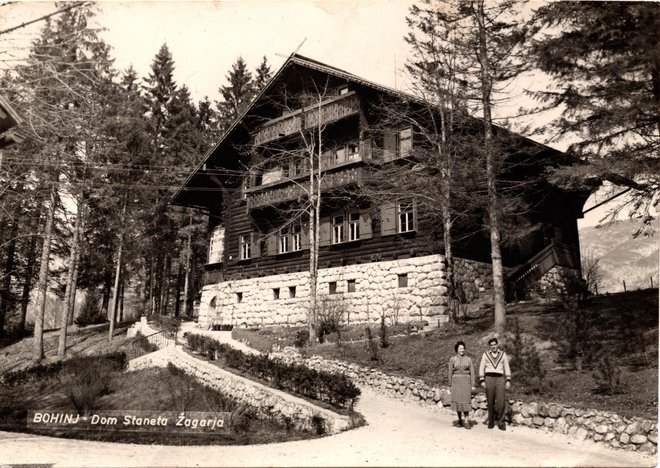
(319, 233)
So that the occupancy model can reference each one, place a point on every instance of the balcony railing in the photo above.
(330, 181)
(332, 109)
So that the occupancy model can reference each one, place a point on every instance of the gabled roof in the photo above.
(293, 59)
(299, 60)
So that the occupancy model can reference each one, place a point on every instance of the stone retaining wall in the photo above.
(267, 401)
(600, 426)
(405, 290)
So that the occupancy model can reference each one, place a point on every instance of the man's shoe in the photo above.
(502, 426)
(491, 425)
(466, 424)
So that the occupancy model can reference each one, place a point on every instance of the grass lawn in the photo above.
(152, 389)
(623, 326)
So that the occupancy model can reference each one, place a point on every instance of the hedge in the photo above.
(335, 389)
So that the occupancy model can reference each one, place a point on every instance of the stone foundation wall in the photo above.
(600, 426)
(403, 290)
(553, 283)
(475, 278)
(267, 401)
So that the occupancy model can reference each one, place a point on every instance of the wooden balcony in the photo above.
(333, 109)
(299, 189)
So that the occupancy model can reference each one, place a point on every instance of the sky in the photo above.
(364, 37)
(205, 37)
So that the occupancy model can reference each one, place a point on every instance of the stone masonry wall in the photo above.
(379, 288)
(553, 283)
(600, 426)
(268, 402)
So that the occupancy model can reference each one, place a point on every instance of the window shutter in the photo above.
(389, 146)
(324, 231)
(304, 236)
(415, 217)
(405, 142)
(388, 219)
(365, 149)
(365, 225)
(271, 243)
(255, 248)
(327, 159)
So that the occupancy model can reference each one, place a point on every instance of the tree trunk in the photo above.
(177, 294)
(31, 259)
(5, 293)
(70, 285)
(121, 295)
(72, 304)
(186, 281)
(491, 176)
(42, 284)
(115, 293)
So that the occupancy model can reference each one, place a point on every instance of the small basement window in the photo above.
(239, 297)
(403, 280)
(276, 293)
(350, 285)
(332, 287)
(292, 291)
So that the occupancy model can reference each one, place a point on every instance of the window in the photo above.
(343, 90)
(403, 280)
(217, 244)
(406, 217)
(350, 285)
(284, 240)
(297, 168)
(337, 229)
(345, 227)
(239, 297)
(296, 237)
(276, 293)
(292, 292)
(246, 250)
(354, 226)
(332, 287)
(353, 151)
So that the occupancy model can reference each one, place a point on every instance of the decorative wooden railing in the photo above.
(331, 110)
(299, 189)
(554, 254)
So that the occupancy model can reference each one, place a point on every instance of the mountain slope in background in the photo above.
(620, 256)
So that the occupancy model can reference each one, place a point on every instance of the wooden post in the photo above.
(624, 286)
(651, 277)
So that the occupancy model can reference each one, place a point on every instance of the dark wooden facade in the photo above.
(254, 201)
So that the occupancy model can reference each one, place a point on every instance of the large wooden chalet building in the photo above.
(374, 258)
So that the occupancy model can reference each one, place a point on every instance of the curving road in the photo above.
(397, 434)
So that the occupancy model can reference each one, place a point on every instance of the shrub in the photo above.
(302, 338)
(318, 423)
(90, 311)
(331, 314)
(607, 376)
(88, 378)
(527, 360)
(384, 342)
(334, 389)
(373, 347)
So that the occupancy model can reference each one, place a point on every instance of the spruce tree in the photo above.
(236, 95)
(605, 61)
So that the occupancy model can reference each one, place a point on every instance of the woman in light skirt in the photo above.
(461, 379)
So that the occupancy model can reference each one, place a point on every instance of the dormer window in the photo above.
(343, 90)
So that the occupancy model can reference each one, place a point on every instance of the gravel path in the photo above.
(397, 434)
